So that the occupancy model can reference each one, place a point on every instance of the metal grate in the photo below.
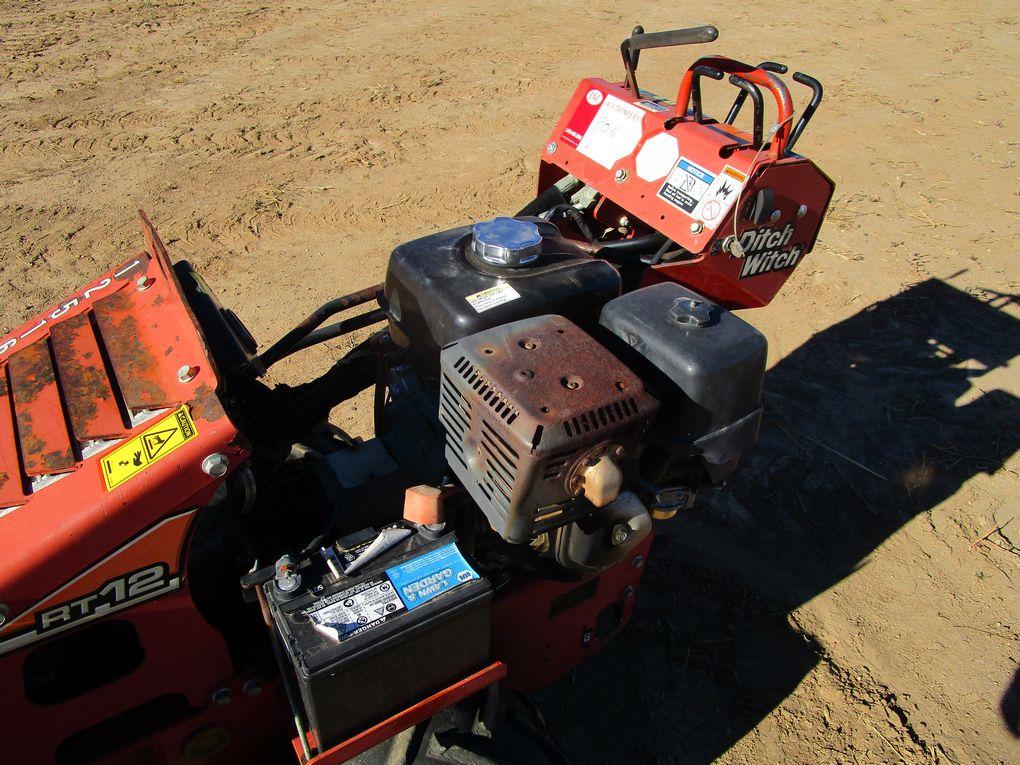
(604, 416)
(489, 395)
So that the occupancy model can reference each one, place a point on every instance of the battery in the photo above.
(367, 646)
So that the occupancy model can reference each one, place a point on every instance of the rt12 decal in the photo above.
(113, 595)
(144, 568)
(768, 249)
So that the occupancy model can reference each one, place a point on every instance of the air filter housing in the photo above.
(530, 408)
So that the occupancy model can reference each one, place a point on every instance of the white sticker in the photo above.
(652, 106)
(492, 297)
(686, 185)
(613, 133)
(657, 157)
(720, 196)
(594, 97)
(356, 609)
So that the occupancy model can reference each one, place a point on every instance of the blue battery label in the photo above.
(420, 579)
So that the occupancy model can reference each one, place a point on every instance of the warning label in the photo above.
(492, 297)
(130, 459)
(359, 608)
(686, 185)
(720, 197)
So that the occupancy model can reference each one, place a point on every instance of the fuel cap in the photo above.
(507, 242)
(689, 311)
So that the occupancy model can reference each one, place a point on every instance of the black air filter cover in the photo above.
(705, 363)
(524, 406)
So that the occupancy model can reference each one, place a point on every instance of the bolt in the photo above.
(628, 593)
(252, 687)
(637, 561)
(624, 221)
(619, 451)
(221, 697)
(215, 465)
(550, 148)
(729, 245)
(187, 373)
(620, 175)
(697, 227)
(802, 211)
(774, 216)
(620, 534)
(3, 613)
(144, 282)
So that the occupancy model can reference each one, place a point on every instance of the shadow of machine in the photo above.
(868, 424)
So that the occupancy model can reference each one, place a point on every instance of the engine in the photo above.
(562, 402)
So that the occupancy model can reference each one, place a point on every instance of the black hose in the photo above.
(648, 243)
(339, 329)
(577, 217)
(548, 199)
(285, 345)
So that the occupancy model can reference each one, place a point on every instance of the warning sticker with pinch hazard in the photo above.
(131, 458)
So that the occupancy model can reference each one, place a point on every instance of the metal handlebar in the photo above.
(640, 40)
(738, 102)
(809, 110)
(750, 89)
(754, 75)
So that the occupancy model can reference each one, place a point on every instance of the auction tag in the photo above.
(614, 133)
(130, 459)
(492, 297)
(423, 578)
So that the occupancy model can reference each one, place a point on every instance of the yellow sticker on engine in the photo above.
(131, 458)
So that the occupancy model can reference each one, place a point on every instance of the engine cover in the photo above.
(528, 408)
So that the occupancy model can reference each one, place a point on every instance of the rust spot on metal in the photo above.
(34, 372)
(11, 488)
(205, 404)
(88, 394)
(137, 370)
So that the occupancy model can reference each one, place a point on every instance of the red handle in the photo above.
(760, 77)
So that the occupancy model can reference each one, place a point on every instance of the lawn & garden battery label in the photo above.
(356, 609)
(421, 579)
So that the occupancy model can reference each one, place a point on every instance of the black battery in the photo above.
(366, 646)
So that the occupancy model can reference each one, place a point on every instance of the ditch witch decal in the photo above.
(767, 249)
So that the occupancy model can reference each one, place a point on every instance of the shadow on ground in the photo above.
(711, 652)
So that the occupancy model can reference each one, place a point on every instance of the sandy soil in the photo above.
(848, 598)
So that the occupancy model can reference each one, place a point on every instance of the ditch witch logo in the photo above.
(766, 249)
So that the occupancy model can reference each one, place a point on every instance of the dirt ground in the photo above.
(851, 596)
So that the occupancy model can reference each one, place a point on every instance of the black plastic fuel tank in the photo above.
(446, 286)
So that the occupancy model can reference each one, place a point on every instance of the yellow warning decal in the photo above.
(130, 459)
(734, 173)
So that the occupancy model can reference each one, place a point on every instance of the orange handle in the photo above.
(784, 103)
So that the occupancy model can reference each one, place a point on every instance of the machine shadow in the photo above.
(868, 424)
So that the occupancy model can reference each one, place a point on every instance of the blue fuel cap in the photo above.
(507, 242)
